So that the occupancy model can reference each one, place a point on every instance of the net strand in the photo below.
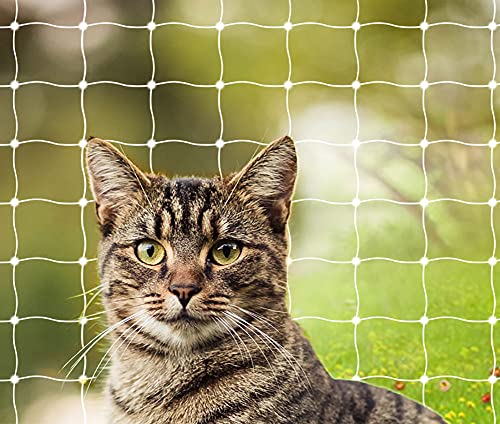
(288, 86)
(252, 24)
(152, 85)
(493, 260)
(424, 144)
(246, 82)
(82, 203)
(356, 203)
(261, 143)
(219, 144)
(14, 379)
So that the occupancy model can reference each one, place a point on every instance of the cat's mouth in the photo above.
(183, 317)
(181, 328)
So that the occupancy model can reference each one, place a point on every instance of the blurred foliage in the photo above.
(251, 112)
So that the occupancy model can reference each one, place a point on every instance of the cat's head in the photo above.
(181, 260)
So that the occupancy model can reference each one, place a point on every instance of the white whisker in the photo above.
(286, 354)
(84, 350)
(219, 324)
(256, 344)
(131, 331)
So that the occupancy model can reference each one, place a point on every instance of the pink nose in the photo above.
(184, 292)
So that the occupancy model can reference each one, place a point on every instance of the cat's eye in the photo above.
(150, 252)
(225, 252)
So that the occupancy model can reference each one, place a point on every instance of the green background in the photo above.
(455, 349)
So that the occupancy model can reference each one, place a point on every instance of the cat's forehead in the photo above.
(190, 189)
(185, 209)
(186, 197)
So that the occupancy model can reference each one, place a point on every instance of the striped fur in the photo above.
(233, 355)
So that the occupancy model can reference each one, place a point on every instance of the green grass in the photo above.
(395, 349)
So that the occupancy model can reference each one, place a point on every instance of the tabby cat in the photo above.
(194, 275)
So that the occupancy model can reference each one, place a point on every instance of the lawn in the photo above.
(395, 349)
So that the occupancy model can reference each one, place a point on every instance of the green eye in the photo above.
(225, 252)
(150, 252)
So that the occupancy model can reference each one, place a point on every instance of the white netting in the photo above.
(219, 144)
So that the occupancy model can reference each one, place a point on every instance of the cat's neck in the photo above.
(262, 344)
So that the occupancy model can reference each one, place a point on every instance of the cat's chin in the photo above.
(182, 331)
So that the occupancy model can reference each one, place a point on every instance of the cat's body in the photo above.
(216, 386)
(194, 276)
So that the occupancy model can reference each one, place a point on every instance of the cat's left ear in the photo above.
(116, 182)
(269, 179)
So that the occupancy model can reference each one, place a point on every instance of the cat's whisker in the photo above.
(273, 310)
(218, 322)
(286, 354)
(106, 354)
(289, 355)
(275, 346)
(143, 321)
(258, 317)
(95, 314)
(253, 340)
(76, 296)
(88, 347)
(265, 321)
(136, 332)
(93, 298)
(107, 311)
(121, 307)
(130, 298)
(85, 349)
(263, 341)
(233, 331)
(274, 342)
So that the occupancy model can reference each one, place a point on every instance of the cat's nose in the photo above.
(184, 292)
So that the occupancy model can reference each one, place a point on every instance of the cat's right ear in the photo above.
(116, 182)
(269, 179)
